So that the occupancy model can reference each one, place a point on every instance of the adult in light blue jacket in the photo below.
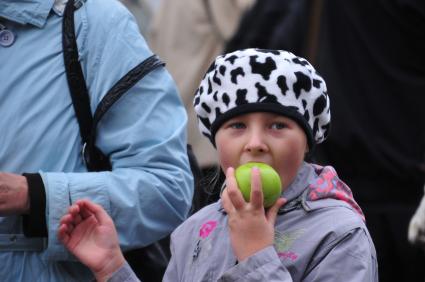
(149, 190)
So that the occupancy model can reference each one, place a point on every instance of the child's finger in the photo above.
(227, 204)
(73, 216)
(77, 219)
(98, 211)
(273, 210)
(256, 189)
(66, 219)
(69, 228)
(233, 191)
(74, 209)
(63, 234)
(84, 211)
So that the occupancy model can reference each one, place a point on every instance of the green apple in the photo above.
(270, 180)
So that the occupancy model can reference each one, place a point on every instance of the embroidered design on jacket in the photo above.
(207, 228)
(204, 232)
(284, 241)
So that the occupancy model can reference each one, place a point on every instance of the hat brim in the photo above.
(290, 112)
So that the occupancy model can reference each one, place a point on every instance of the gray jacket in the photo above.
(320, 236)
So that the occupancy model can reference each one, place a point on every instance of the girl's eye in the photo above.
(278, 125)
(237, 125)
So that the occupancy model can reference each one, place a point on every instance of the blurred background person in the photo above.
(143, 11)
(274, 23)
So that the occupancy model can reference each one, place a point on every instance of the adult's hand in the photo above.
(14, 198)
(89, 233)
(251, 228)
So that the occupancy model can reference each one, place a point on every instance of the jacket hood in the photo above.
(329, 186)
(315, 183)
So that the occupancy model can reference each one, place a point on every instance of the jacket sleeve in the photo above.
(351, 257)
(264, 265)
(149, 190)
(124, 274)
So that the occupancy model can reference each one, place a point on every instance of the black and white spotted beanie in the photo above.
(258, 80)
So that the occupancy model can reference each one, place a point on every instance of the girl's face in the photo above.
(262, 137)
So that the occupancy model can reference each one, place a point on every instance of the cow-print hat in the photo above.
(258, 80)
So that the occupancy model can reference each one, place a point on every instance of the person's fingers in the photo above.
(73, 216)
(83, 210)
(66, 219)
(256, 189)
(233, 191)
(273, 210)
(77, 219)
(74, 209)
(98, 211)
(70, 227)
(227, 204)
(63, 234)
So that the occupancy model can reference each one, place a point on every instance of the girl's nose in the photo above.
(256, 143)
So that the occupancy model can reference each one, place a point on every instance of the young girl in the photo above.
(254, 106)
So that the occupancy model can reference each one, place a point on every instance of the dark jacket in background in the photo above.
(371, 55)
(273, 24)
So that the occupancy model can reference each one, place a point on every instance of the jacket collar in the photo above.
(33, 12)
(304, 177)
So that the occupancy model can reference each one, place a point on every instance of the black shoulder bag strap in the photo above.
(94, 159)
(150, 262)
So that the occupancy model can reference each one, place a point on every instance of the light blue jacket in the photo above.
(149, 191)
